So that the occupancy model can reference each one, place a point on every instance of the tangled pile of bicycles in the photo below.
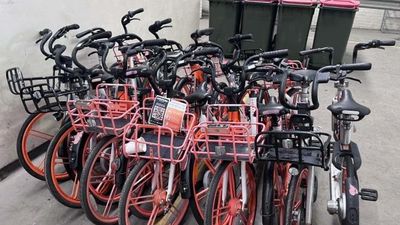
(156, 129)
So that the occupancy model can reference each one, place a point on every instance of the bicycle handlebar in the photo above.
(88, 42)
(58, 51)
(135, 12)
(158, 25)
(329, 50)
(207, 51)
(60, 33)
(237, 38)
(127, 18)
(274, 54)
(46, 35)
(371, 44)
(89, 31)
(323, 76)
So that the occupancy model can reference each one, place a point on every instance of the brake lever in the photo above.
(354, 79)
(48, 57)
(39, 40)
(94, 52)
(166, 26)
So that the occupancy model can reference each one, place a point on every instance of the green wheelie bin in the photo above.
(258, 19)
(294, 21)
(335, 21)
(225, 17)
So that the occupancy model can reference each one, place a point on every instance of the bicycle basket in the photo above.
(299, 147)
(16, 81)
(157, 142)
(109, 112)
(220, 139)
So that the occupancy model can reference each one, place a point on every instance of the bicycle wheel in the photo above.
(201, 173)
(225, 206)
(275, 189)
(296, 199)
(101, 181)
(144, 195)
(350, 191)
(33, 139)
(65, 155)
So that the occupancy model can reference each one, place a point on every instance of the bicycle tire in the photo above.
(52, 151)
(24, 157)
(212, 193)
(86, 204)
(351, 193)
(269, 213)
(126, 192)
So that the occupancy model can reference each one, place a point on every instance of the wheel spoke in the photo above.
(75, 188)
(202, 194)
(143, 180)
(153, 216)
(140, 200)
(110, 200)
(231, 183)
(41, 135)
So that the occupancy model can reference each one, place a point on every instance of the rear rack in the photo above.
(299, 147)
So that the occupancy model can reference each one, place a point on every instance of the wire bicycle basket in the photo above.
(220, 139)
(299, 147)
(109, 112)
(157, 142)
(43, 94)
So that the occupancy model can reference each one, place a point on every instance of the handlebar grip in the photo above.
(59, 49)
(205, 32)
(72, 27)
(83, 33)
(134, 12)
(155, 42)
(124, 37)
(275, 54)
(166, 21)
(86, 32)
(101, 35)
(44, 31)
(356, 66)
(316, 50)
(207, 51)
(388, 43)
(240, 37)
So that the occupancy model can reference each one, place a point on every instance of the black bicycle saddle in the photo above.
(348, 106)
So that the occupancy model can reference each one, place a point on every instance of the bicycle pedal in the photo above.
(369, 194)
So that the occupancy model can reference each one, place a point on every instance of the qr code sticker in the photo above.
(158, 112)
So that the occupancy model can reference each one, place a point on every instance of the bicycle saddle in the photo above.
(302, 75)
(272, 108)
(348, 106)
(199, 95)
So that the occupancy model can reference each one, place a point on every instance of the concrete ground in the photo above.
(26, 201)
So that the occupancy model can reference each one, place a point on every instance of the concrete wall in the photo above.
(20, 21)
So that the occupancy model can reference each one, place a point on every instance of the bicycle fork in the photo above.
(243, 179)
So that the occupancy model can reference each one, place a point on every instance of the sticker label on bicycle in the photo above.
(167, 112)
